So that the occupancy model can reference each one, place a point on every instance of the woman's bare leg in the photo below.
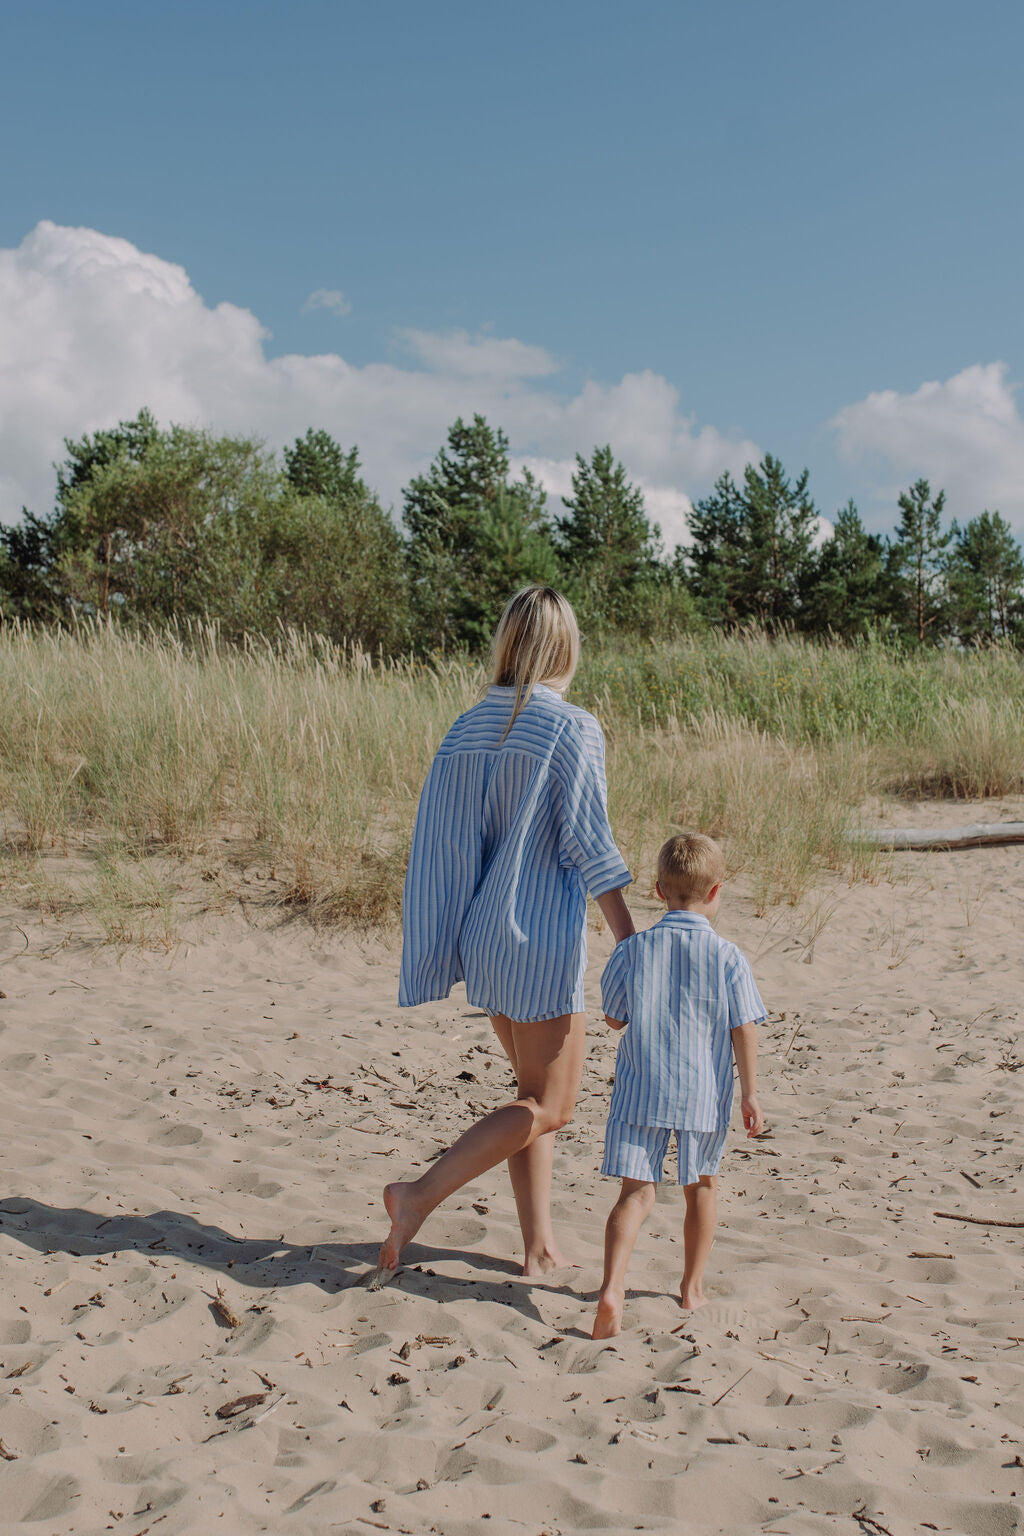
(549, 1057)
(529, 1173)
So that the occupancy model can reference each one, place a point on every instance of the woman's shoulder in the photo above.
(581, 726)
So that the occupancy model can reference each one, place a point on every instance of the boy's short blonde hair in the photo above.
(690, 865)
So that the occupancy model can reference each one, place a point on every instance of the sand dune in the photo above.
(224, 1117)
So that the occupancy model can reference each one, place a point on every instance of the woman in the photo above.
(512, 831)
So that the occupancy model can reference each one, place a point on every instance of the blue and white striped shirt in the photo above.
(509, 837)
(682, 990)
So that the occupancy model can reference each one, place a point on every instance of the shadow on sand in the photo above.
(265, 1262)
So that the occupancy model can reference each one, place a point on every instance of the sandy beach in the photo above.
(221, 1119)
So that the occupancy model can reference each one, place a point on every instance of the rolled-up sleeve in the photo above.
(585, 838)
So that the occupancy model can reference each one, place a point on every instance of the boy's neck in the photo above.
(700, 908)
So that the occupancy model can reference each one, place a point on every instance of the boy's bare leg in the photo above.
(549, 1055)
(628, 1215)
(698, 1235)
(529, 1173)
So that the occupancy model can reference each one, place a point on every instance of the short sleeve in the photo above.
(614, 991)
(745, 1005)
(585, 838)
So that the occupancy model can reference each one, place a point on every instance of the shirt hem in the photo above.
(533, 1018)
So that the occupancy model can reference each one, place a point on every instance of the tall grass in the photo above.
(307, 760)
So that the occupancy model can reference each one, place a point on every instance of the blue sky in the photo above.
(783, 213)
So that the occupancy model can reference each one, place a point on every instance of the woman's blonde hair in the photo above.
(537, 640)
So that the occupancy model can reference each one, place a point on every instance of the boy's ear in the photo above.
(709, 898)
(661, 893)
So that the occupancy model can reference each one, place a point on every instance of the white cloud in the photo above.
(91, 329)
(327, 298)
(965, 434)
(495, 357)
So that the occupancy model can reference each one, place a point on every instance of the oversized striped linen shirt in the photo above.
(510, 835)
(682, 990)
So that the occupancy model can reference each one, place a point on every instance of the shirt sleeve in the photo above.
(614, 992)
(585, 838)
(745, 1005)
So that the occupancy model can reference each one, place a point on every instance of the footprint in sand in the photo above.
(176, 1136)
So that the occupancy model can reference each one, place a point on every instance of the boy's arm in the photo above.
(744, 1048)
(614, 1023)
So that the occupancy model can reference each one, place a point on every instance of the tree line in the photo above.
(154, 524)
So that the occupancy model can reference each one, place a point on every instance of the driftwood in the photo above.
(978, 1221)
(978, 835)
(223, 1309)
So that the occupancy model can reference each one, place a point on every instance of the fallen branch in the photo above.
(915, 840)
(977, 1221)
(222, 1307)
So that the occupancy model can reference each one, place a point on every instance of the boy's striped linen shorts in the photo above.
(638, 1152)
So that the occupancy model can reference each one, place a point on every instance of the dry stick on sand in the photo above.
(977, 1221)
(222, 1307)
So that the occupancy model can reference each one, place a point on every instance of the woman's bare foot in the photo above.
(609, 1314)
(692, 1297)
(544, 1263)
(406, 1219)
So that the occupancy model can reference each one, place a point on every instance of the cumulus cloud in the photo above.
(91, 329)
(964, 434)
(331, 299)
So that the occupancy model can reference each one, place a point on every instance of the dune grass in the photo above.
(133, 764)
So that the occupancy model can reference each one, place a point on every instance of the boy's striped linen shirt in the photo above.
(510, 835)
(682, 990)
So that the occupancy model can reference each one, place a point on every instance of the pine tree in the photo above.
(714, 560)
(609, 550)
(919, 562)
(779, 531)
(318, 466)
(986, 580)
(473, 537)
(752, 548)
(845, 590)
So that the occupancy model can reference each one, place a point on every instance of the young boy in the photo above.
(688, 1003)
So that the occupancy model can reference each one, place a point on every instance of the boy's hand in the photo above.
(753, 1119)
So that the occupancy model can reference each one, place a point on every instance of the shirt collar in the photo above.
(686, 919)
(542, 688)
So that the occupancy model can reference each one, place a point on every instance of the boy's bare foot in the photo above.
(406, 1220)
(544, 1263)
(609, 1315)
(692, 1298)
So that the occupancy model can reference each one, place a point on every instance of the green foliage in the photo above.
(32, 553)
(152, 525)
(472, 538)
(918, 564)
(986, 581)
(610, 554)
(844, 589)
(318, 466)
(752, 548)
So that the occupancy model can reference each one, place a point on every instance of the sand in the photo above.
(224, 1116)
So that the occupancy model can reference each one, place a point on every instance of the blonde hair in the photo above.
(689, 866)
(537, 639)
